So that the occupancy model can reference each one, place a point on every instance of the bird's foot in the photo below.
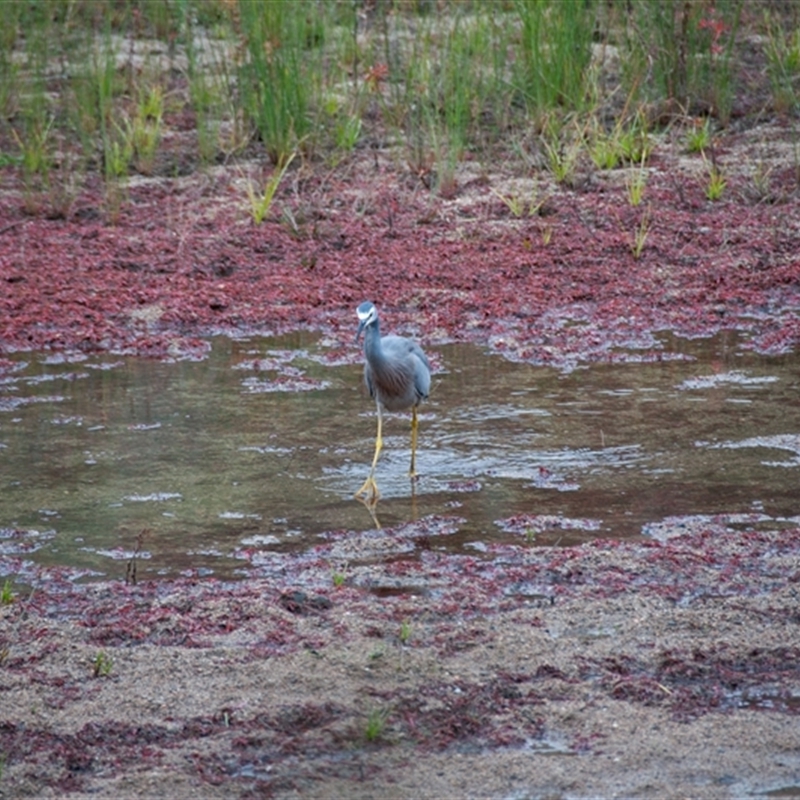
(369, 491)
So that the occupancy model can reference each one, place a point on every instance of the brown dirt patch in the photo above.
(658, 670)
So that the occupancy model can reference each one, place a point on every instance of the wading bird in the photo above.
(398, 376)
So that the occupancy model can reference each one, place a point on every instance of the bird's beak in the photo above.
(361, 325)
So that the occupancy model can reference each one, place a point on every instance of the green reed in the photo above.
(438, 82)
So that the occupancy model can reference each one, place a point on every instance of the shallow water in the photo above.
(261, 446)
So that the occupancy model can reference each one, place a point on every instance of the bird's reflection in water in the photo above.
(371, 504)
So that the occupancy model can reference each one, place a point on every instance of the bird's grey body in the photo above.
(398, 376)
(397, 372)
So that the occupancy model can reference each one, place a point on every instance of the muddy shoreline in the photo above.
(614, 670)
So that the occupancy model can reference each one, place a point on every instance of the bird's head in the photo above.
(367, 315)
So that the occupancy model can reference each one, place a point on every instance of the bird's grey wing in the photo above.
(422, 369)
(400, 347)
(418, 352)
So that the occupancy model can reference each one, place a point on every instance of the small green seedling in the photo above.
(36, 156)
(761, 177)
(517, 206)
(513, 202)
(605, 152)
(699, 137)
(376, 724)
(347, 132)
(6, 595)
(635, 183)
(530, 535)
(118, 154)
(562, 158)
(635, 145)
(716, 182)
(376, 654)
(102, 665)
(338, 579)
(405, 632)
(260, 203)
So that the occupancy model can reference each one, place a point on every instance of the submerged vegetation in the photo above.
(101, 89)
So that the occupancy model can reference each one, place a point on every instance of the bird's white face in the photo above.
(366, 314)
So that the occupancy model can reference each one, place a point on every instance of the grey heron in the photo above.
(398, 376)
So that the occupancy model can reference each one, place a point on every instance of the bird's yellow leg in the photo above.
(370, 488)
(414, 426)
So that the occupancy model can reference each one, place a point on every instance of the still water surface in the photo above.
(262, 444)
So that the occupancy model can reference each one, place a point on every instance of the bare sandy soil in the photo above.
(607, 670)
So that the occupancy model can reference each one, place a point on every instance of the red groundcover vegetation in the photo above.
(183, 258)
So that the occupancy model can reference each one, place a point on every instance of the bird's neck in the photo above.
(372, 343)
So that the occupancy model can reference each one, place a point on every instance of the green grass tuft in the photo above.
(375, 725)
(102, 665)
